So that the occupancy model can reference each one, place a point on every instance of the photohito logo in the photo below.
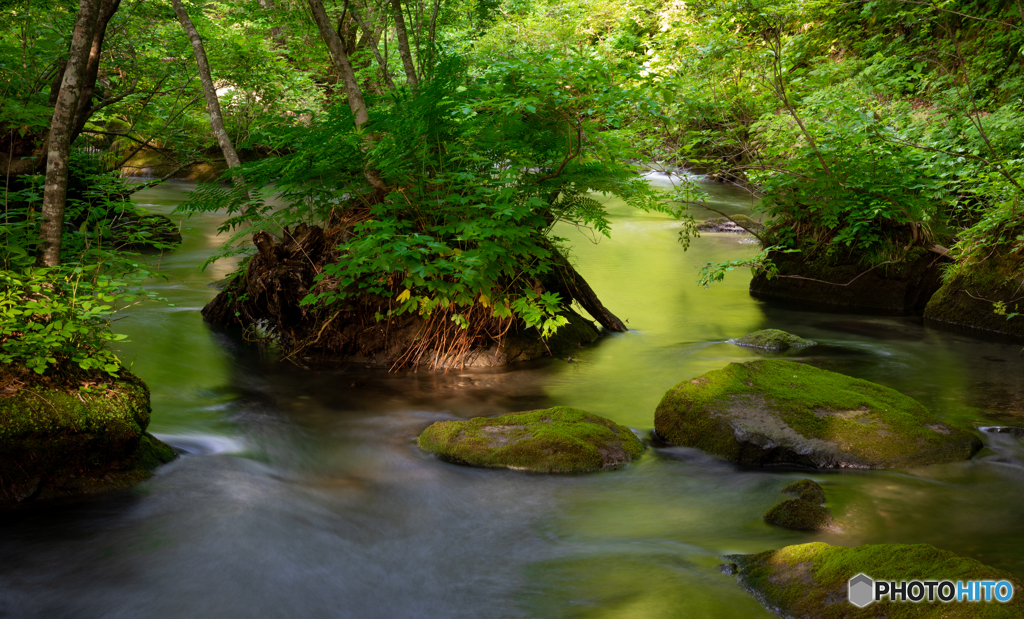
(864, 590)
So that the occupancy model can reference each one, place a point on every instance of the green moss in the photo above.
(778, 412)
(799, 515)
(773, 339)
(554, 440)
(968, 301)
(56, 442)
(811, 580)
(806, 490)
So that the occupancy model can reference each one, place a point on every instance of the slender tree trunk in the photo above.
(403, 44)
(209, 91)
(371, 41)
(348, 76)
(92, 68)
(59, 141)
(341, 60)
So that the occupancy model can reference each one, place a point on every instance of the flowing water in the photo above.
(300, 492)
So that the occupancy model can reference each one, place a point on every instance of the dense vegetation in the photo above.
(439, 143)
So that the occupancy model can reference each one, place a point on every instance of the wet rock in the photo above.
(1004, 430)
(968, 304)
(56, 442)
(772, 412)
(817, 281)
(736, 224)
(773, 339)
(799, 515)
(812, 580)
(553, 440)
(806, 490)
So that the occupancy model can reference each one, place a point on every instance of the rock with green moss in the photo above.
(799, 515)
(806, 490)
(812, 580)
(734, 224)
(773, 339)
(57, 442)
(553, 440)
(773, 412)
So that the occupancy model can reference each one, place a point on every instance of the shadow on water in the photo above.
(302, 493)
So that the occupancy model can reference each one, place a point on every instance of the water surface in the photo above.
(300, 492)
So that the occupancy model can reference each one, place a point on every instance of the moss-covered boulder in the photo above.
(773, 412)
(56, 441)
(806, 490)
(968, 303)
(817, 279)
(553, 440)
(812, 581)
(773, 339)
(799, 515)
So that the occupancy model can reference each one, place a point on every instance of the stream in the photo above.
(300, 492)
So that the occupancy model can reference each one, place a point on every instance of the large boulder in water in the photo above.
(56, 441)
(781, 413)
(812, 581)
(817, 280)
(553, 440)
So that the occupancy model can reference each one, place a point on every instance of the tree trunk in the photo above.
(341, 60)
(348, 76)
(370, 38)
(209, 91)
(59, 141)
(568, 283)
(403, 44)
(92, 68)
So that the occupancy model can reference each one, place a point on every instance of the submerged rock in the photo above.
(823, 282)
(806, 490)
(799, 515)
(812, 580)
(55, 442)
(773, 339)
(553, 440)
(773, 412)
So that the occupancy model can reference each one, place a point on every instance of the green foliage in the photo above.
(483, 168)
(56, 321)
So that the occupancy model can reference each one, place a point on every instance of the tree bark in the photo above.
(370, 36)
(348, 76)
(403, 44)
(209, 91)
(84, 110)
(59, 141)
(341, 60)
(568, 283)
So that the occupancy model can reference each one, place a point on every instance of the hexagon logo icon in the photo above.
(861, 590)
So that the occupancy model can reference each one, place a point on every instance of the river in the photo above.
(300, 491)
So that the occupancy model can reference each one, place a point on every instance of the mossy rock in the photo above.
(806, 490)
(553, 440)
(55, 442)
(736, 224)
(773, 339)
(816, 280)
(812, 580)
(773, 412)
(967, 303)
(799, 515)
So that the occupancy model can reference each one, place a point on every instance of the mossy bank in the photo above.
(553, 440)
(811, 580)
(58, 442)
(774, 412)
